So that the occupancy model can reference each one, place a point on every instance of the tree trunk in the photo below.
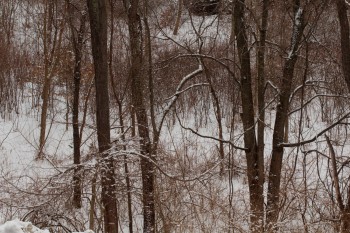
(121, 119)
(280, 121)
(50, 63)
(178, 17)
(344, 40)
(77, 41)
(216, 104)
(253, 167)
(345, 52)
(98, 25)
(147, 167)
(261, 89)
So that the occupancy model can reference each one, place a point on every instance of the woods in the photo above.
(175, 116)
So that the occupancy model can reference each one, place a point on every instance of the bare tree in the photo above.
(52, 38)
(77, 36)
(147, 166)
(281, 118)
(98, 25)
(254, 171)
(342, 8)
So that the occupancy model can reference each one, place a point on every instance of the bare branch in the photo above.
(318, 135)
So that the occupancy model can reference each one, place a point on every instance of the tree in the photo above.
(98, 24)
(254, 171)
(77, 36)
(254, 154)
(344, 39)
(342, 9)
(281, 118)
(147, 166)
(52, 38)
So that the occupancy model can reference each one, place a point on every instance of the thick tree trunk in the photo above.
(147, 167)
(253, 168)
(98, 25)
(345, 51)
(279, 127)
(344, 39)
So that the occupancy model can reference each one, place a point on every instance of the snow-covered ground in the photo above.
(17, 226)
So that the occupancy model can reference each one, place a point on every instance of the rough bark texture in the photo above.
(253, 172)
(344, 40)
(279, 127)
(98, 25)
(345, 52)
(147, 167)
(77, 40)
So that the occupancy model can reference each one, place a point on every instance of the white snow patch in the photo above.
(17, 226)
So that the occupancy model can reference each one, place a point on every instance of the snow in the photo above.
(17, 226)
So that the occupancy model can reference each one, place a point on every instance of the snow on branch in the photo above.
(298, 24)
(178, 91)
(347, 3)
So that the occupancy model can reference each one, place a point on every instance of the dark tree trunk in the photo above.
(253, 168)
(344, 40)
(147, 167)
(98, 25)
(281, 117)
(77, 41)
(121, 118)
(345, 52)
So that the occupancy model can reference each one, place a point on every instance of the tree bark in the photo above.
(253, 168)
(98, 25)
(50, 63)
(280, 121)
(345, 59)
(261, 88)
(77, 40)
(147, 167)
(344, 39)
(121, 118)
(178, 17)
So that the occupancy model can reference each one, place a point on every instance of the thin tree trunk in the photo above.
(50, 48)
(147, 167)
(77, 48)
(149, 67)
(345, 51)
(98, 25)
(218, 116)
(121, 120)
(253, 168)
(92, 204)
(261, 89)
(344, 210)
(280, 121)
(178, 17)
